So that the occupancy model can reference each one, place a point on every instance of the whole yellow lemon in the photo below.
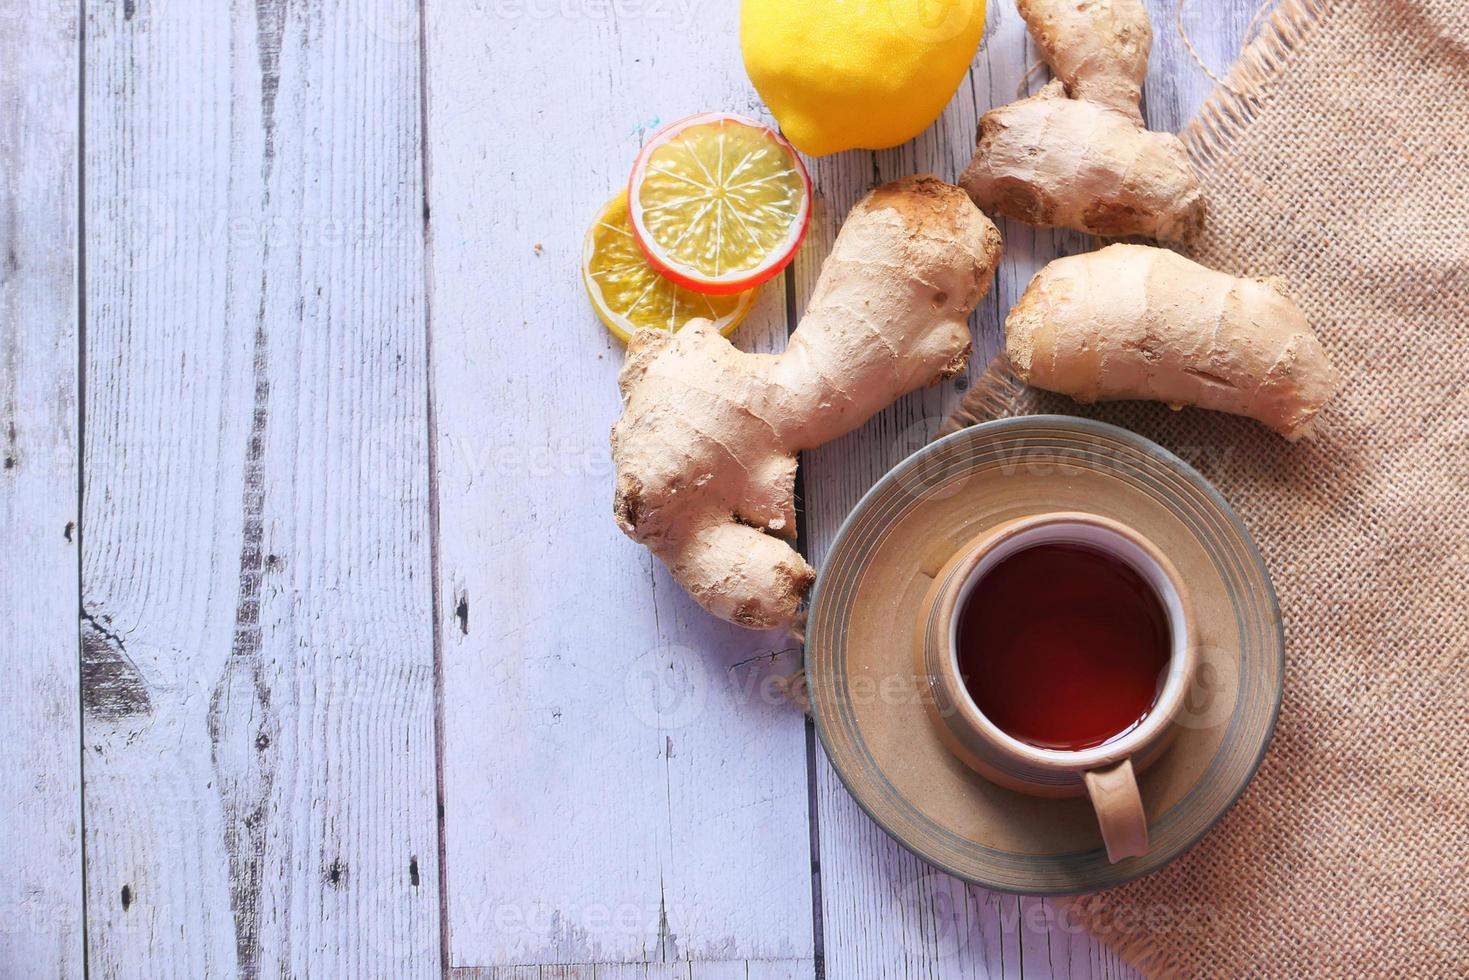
(844, 74)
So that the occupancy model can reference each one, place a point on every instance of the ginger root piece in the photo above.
(1131, 321)
(1077, 154)
(706, 446)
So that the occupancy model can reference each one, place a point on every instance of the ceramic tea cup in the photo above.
(1105, 772)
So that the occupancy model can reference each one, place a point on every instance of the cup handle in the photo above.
(1119, 807)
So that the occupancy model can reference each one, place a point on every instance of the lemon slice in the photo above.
(719, 203)
(629, 294)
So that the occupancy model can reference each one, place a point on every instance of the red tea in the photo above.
(1063, 646)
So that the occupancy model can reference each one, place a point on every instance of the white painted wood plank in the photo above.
(670, 970)
(260, 765)
(885, 914)
(620, 786)
(40, 737)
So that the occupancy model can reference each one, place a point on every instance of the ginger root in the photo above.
(1131, 321)
(706, 446)
(1077, 154)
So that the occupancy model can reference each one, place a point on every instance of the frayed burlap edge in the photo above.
(1233, 105)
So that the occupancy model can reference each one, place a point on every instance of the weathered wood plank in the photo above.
(622, 786)
(256, 581)
(884, 912)
(666, 970)
(40, 737)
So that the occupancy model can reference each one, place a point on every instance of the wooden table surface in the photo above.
(323, 655)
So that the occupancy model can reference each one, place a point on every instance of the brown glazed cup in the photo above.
(1107, 773)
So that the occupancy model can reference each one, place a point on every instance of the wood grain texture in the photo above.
(674, 970)
(885, 914)
(623, 785)
(258, 676)
(40, 737)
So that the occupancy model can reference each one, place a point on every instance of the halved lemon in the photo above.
(629, 294)
(719, 203)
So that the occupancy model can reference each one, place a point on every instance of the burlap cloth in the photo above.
(1337, 155)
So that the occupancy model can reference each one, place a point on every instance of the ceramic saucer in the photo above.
(867, 702)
